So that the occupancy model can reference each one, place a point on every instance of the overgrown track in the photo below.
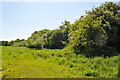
(21, 62)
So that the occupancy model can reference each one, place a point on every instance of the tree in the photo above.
(88, 35)
(56, 37)
(38, 39)
(4, 43)
(59, 37)
(111, 14)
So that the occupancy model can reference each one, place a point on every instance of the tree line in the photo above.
(95, 34)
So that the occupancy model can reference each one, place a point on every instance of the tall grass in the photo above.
(30, 63)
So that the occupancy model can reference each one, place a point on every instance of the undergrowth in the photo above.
(21, 62)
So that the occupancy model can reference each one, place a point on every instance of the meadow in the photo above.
(22, 62)
(87, 49)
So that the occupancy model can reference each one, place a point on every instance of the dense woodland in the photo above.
(95, 34)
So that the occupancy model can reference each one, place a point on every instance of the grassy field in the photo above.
(21, 62)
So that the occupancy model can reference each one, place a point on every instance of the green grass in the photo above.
(0, 62)
(21, 62)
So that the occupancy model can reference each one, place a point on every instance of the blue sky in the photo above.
(21, 19)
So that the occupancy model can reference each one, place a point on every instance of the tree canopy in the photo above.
(95, 34)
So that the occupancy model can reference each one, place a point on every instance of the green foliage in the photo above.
(111, 14)
(57, 38)
(21, 62)
(38, 39)
(64, 50)
(19, 44)
(97, 33)
(89, 34)
(52, 39)
(16, 42)
(4, 43)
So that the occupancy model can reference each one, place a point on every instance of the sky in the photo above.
(21, 19)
